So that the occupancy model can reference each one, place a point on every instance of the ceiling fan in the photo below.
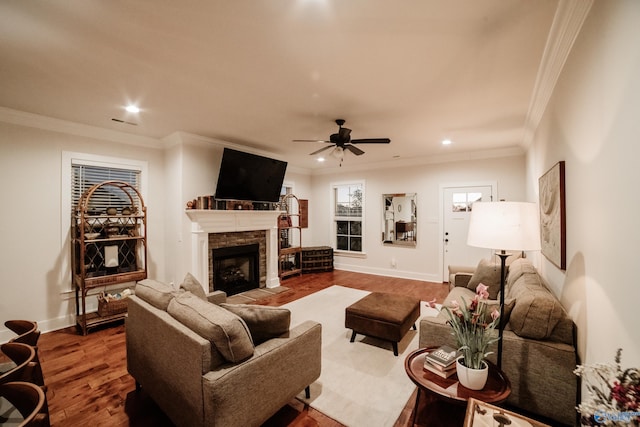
(342, 141)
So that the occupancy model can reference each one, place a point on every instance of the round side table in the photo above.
(448, 396)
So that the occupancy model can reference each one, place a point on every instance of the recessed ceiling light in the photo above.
(321, 159)
(446, 142)
(132, 109)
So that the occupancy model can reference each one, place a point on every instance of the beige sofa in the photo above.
(206, 366)
(539, 353)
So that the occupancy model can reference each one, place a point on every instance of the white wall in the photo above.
(592, 123)
(34, 254)
(423, 262)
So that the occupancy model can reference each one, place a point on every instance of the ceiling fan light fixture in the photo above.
(338, 153)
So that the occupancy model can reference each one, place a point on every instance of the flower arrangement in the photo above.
(614, 394)
(472, 328)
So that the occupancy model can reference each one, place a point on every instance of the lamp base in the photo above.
(503, 263)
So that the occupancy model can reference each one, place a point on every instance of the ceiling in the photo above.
(261, 73)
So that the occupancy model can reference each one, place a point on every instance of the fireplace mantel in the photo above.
(204, 222)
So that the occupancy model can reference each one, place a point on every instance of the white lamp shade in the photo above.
(512, 226)
(338, 153)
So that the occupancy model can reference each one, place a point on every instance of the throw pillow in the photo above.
(191, 284)
(487, 273)
(226, 331)
(536, 314)
(264, 322)
(156, 293)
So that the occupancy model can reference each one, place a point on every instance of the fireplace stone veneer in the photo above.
(234, 241)
(211, 222)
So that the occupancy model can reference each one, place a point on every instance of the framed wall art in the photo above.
(553, 236)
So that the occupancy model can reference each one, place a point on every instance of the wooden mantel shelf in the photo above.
(217, 221)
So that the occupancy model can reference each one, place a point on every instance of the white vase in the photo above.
(473, 379)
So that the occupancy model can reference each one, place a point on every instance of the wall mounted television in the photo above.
(245, 176)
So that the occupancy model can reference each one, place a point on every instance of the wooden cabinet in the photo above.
(289, 238)
(109, 247)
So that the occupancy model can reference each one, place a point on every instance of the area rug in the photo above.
(362, 383)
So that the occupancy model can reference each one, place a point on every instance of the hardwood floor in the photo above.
(88, 383)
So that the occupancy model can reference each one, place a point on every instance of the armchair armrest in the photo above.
(460, 279)
(459, 275)
(248, 393)
(454, 269)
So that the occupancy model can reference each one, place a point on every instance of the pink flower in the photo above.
(495, 314)
(431, 304)
(483, 291)
(473, 304)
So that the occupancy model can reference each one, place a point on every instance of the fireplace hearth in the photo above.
(236, 269)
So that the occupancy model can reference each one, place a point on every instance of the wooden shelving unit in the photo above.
(108, 244)
(289, 238)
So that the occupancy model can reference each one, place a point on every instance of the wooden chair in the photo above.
(24, 358)
(27, 331)
(29, 400)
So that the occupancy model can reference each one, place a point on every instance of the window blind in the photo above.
(84, 177)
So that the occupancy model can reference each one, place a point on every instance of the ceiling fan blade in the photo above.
(371, 141)
(321, 150)
(354, 150)
(309, 140)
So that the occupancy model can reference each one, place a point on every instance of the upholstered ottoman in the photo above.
(381, 315)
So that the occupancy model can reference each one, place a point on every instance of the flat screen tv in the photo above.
(245, 176)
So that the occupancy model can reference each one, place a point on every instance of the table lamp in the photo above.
(504, 226)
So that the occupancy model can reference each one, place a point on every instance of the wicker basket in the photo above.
(107, 307)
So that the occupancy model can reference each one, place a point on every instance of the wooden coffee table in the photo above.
(447, 398)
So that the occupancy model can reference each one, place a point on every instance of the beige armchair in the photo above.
(191, 378)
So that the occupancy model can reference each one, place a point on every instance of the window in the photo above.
(348, 207)
(463, 202)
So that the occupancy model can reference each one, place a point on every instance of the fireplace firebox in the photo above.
(236, 268)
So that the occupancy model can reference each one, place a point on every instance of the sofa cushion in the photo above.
(516, 270)
(495, 304)
(487, 273)
(264, 322)
(226, 331)
(536, 312)
(191, 284)
(156, 293)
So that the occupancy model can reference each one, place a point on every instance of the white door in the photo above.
(457, 205)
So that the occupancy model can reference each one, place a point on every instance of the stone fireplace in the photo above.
(236, 269)
(237, 261)
(214, 229)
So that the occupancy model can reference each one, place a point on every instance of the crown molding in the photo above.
(37, 121)
(567, 23)
(427, 160)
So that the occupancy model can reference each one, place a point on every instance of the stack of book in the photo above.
(442, 361)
